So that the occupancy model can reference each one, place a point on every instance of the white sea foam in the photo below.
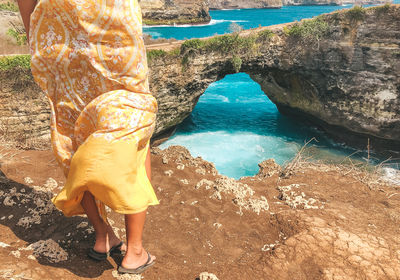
(391, 175)
(209, 97)
(212, 22)
(153, 33)
(235, 154)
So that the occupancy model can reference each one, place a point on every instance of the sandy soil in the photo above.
(318, 224)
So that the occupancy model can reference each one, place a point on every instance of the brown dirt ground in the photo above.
(353, 232)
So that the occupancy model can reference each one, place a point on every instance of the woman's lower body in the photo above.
(89, 57)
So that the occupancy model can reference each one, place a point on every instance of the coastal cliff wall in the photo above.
(174, 11)
(339, 71)
(244, 4)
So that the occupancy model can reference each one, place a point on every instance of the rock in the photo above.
(268, 168)
(243, 194)
(48, 249)
(296, 199)
(3, 245)
(207, 276)
(184, 181)
(174, 11)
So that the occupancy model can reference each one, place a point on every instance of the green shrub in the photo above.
(382, 9)
(192, 44)
(265, 35)
(236, 63)
(20, 37)
(309, 29)
(9, 6)
(356, 13)
(153, 54)
(10, 62)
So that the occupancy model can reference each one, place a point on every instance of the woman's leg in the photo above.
(135, 254)
(105, 236)
(134, 223)
(148, 164)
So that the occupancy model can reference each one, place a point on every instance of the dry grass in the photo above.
(297, 162)
(364, 172)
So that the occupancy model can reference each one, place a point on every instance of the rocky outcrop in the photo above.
(339, 71)
(174, 11)
(244, 4)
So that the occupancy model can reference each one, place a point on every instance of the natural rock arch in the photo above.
(340, 71)
(346, 80)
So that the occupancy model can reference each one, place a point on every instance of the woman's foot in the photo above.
(136, 258)
(106, 240)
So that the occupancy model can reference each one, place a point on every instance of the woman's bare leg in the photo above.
(148, 164)
(135, 254)
(105, 236)
(134, 223)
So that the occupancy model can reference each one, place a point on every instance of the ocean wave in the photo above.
(209, 97)
(153, 33)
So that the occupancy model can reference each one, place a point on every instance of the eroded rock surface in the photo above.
(174, 11)
(343, 77)
(345, 81)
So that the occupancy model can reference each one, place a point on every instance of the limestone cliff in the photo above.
(244, 4)
(339, 71)
(174, 11)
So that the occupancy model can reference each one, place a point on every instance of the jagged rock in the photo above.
(268, 168)
(174, 11)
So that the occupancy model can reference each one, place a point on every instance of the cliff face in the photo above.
(244, 4)
(340, 71)
(346, 81)
(174, 11)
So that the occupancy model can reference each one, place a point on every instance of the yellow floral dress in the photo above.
(90, 59)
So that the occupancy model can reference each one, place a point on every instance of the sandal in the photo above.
(93, 254)
(139, 269)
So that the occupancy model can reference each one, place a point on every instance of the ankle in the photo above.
(136, 250)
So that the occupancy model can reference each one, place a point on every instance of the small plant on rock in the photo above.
(356, 13)
(18, 33)
(236, 63)
(9, 6)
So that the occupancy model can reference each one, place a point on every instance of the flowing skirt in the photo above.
(90, 59)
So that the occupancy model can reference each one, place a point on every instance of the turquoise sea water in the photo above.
(247, 18)
(235, 125)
